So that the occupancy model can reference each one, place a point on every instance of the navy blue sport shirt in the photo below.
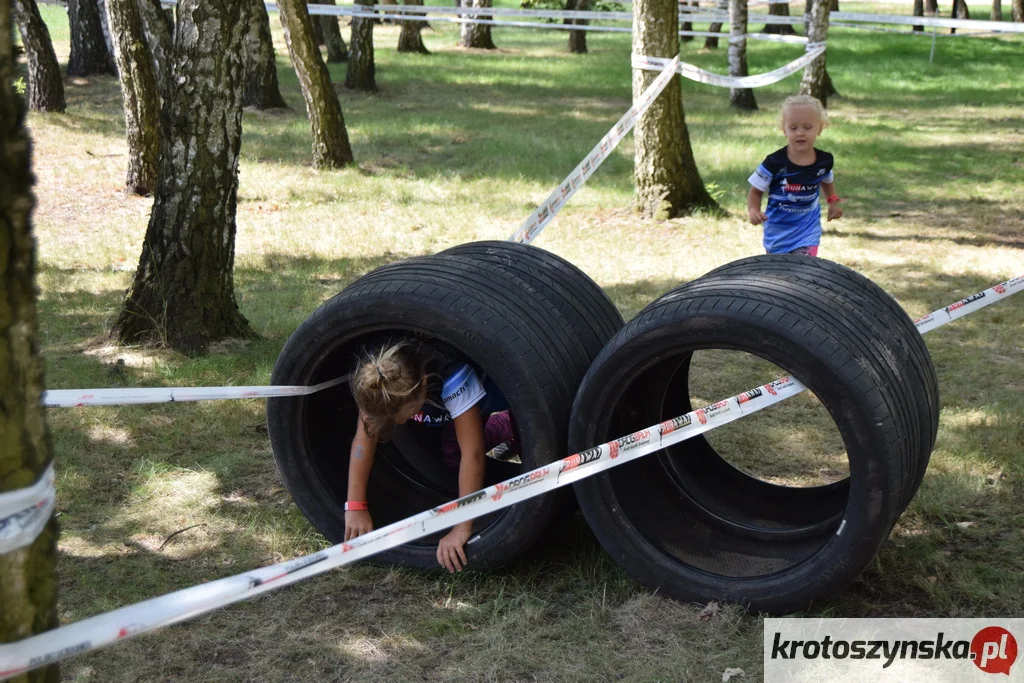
(794, 213)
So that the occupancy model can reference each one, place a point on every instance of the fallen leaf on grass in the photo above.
(709, 611)
(729, 674)
(964, 525)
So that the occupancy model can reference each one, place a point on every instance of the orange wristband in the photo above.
(355, 505)
(834, 198)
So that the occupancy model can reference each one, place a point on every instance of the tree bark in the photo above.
(779, 10)
(997, 11)
(89, 54)
(931, 8)
(959, 11)
(410, 40)
(158, 31)
(102, 4)
(183, 294)
(918, 12)
(337, 51)
(1018, 10)
(667, 181)
(28, 575)
(477, 35)
(814, 79)
(739, 98)
(577, 39)
(45, 87)
(711, 42)
(687, 26)
(360, 73)
(331, 148)
(261, 88)
(140, 92)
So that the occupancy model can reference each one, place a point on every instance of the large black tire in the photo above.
(884, 312)
(771, 548)
(580, 300)
(519, 341)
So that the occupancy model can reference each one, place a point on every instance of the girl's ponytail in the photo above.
(383, 382)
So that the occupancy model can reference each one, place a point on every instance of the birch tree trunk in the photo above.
(337, 51)
(1018, 10)
(140, 93)
(45, 87)
(158, 31)
(814, 82)
(739, 98)
(261, 88)
(410, 40)
(28, 575)
(578, 39)
(779, 10)
(89, 54)
(360, 74)
(183, 294)
(687, 26)
(331, 148)
(919, 12)
(711, 42)
(477, 35)
(667, 181)
(997, 11)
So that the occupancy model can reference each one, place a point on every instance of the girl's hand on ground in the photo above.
(835, 211)
(450, 552)
(757, 217)
(357, 523)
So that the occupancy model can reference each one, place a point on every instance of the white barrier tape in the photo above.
(969, 305)
(701, 76)
(70, 398)
(25, 512)
(543, 214)
(816, 46)
(105, 629)
(995, 26)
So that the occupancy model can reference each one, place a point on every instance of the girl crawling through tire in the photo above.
(433, 385)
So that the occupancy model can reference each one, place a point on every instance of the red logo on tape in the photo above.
(994, 650)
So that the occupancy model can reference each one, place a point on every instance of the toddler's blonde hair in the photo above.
(804, 101)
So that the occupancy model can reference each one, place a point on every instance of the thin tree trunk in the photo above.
(183, 294)
(261, 88)
(331, 148)
(779, 10)
(410, 40)
(919, 12)
(687, 26)
(1018, 10)
(711, 42)
(477, 35)
(577, 39)
(739, 98)
(89, 54)
(360, 73)
(814, 80)
(997, 11)
(140, 92)
(158, 31)
(667, 181)
(45, 87)
(337, 51)
(28, 575)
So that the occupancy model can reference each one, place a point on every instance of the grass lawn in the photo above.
(461, 145)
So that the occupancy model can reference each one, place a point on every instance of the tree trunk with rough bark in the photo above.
(687, 26)
(997, 11)
(45, 87)
(140, 91)
(667, 181)
(28, 575)
(779, 10)
(1018, 10)
(337, 51)
(919, 12)
(183, 294)
(89, 54)
(360, 73)
(158, 31)
(931, 8)
(814, 80)
(331, 148)
(577, 39)
(477, 35)
(261, 88)
(711, 42)
(959, 11)
(410, 40)
(739, 98)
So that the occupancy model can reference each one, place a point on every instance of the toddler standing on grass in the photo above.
(791, 176)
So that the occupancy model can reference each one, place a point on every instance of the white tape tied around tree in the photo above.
(25, 512)
(105, 629)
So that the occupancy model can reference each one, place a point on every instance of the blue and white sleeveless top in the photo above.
(454, 386)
